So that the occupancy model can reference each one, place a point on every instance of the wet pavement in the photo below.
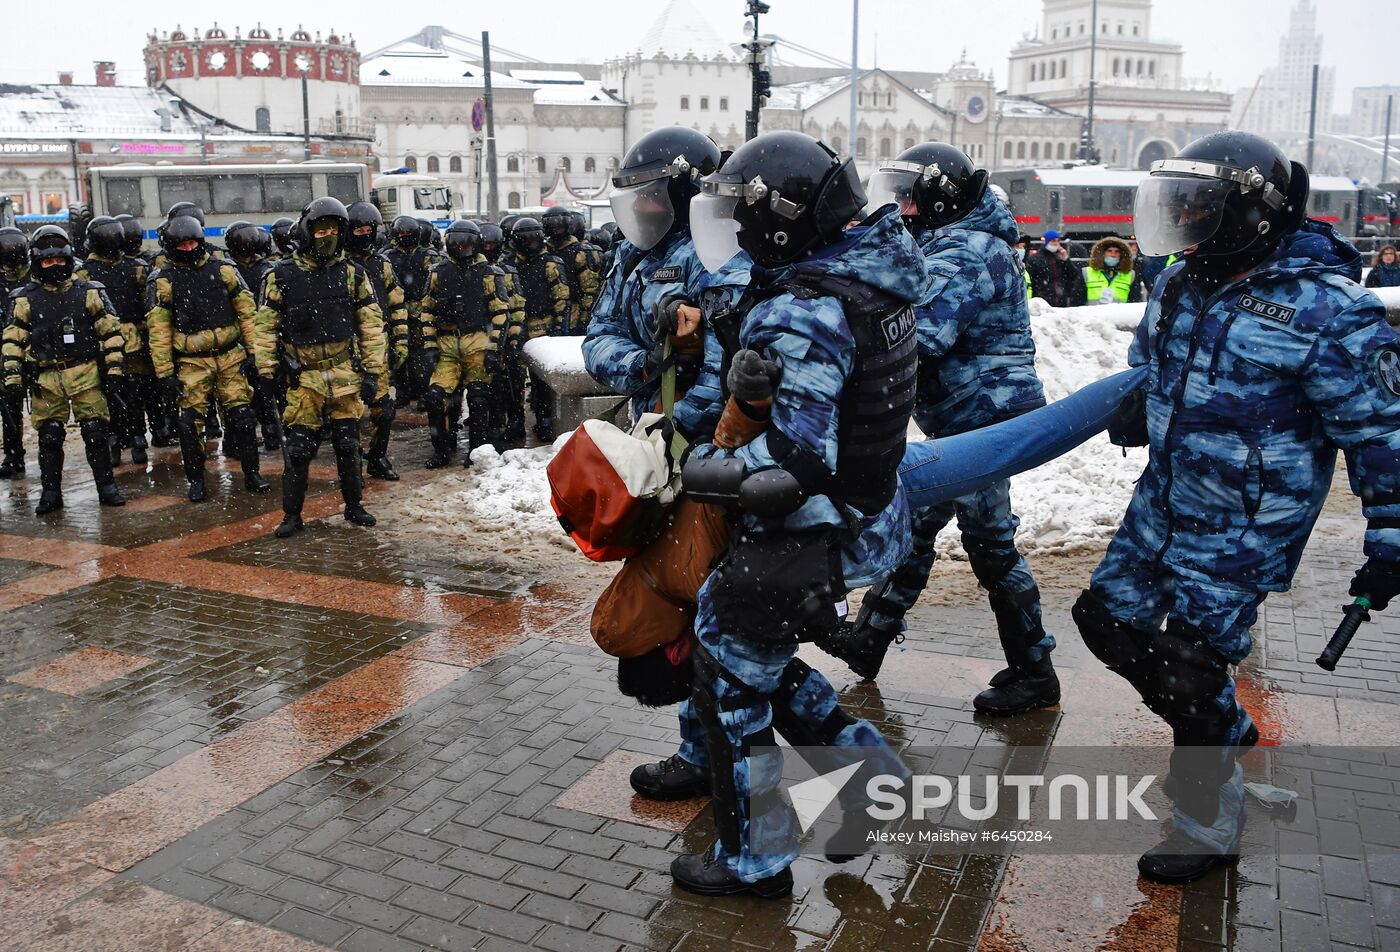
(222, 741)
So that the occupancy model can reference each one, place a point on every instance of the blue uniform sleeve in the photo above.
(960, 290)
(698, 412)
(1352, 377)
(611, 353)
(1139, 351)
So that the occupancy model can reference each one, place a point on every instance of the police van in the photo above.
(404, 192)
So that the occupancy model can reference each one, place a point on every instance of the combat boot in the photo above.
(13, 466)
(51, 436)
(96, 445)
(345, 440)
(242, 432)
(138, 449)
(1180, 859)
(861, 645)
(438, 435)
(114, 449)
(297, 452)
(701, 874)
(674, 778)
(1020, 688)
(272, 436)
(478, 419)
(377, 461)
(381, 467)
(192, 456)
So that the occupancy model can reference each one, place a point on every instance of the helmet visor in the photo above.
(644, 212)
(1174, 212)
(713, 230)
(893, 186)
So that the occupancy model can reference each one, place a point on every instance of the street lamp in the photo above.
(303, 64)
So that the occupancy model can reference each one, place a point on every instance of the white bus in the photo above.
(401, 192)
(258, 193)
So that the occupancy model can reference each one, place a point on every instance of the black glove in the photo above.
(1379, 581)
(171, 386)
(114, 389)
(656, 358)
(267, 392)
(422, 365)
(1129, 424)
(492, 361)
(666, 312)
(751, 378)
(14, 393)
(249, 367)
(369, 388)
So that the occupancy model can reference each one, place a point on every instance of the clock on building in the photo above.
(976, 109)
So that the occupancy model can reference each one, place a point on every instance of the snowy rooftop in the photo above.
(806, 94)
(53, 110)
(1018, 106)
(1331, 183)
(680, 29)
(548, 76)
(412, 64)
(588, 93)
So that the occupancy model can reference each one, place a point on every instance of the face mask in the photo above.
(1111, 262)
(324, 247)
(1020, 253)
(1053, 247)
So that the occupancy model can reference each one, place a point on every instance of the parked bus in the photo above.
(1081, 201)
(259, 193)
(401, 192)
(1334, 199)
(1379, 214)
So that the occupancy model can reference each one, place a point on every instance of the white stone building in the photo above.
(1279, 106)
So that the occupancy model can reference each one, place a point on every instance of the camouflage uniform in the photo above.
(465, 318)
(581, 271)
(508, 386)
(622, 330)
(267, 409)
(411, 270)
(329, 333)
(976, 367)
(65, 344)
(542, 284)
(201, 324)
(124, 279)
(11, 407)
(1252, 388)
(740, 677)
(394, 310)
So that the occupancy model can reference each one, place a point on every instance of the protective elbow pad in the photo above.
(772, 493)
(713, 480)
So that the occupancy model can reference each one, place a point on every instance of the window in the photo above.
(724, 104)
(124, 197)
(1081, 28)
(705, 103)
(1060, 151)
(410, 163)
(454, 164)
(1054, 70)
(1120, 29)
(1055, 33)
(1140, 69)
(286, 193)
(908, 143)
(1006, 151)
(1091, 199)
(1322, 201)
(860, 147)
(539, 164)
(860, 98)
(1020, 150)
(1123, 199)
(1135, 29)
(590, 164)
(513, 200)
(1064, 68)
(1018, 186)
(433, 165)
(567, 164)
(344, 186)
(1047, 151)
(1116, 64)
(1151, 67)
(1035, 151)
(184, 189)
(889, 100)
(685, 102)
(836, 144)
(512, 163)
(886, 149)
(235, 194)
(432, 199)
(262, 119)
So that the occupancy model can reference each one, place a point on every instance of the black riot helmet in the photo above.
(282, 235)
(365, 222)
(652, 191)
(105, 236)
(463, 241)
(321, 214)
(557, 221)
(132, 233)
(577, 226)
(508, 223)
(404, 232)
(599, 238)
(426, 233)
(492, 240)
(14, 248)
(182, 231)
(934, 184)
(46, 244)
(262, 242)
(241, 239)
(1229, 198)
(185, 209)
(527, 237)
(777, 197)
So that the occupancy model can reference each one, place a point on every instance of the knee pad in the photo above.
(1190, 676)
(345, 432)
(93, 429)
(1122, 648)
(435, 398)
(299, 443)
(51, 435)
(187, 420)
(990, 561)
(804, 727)
(242, 417)
(387, 408)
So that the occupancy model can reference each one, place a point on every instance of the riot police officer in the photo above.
(249, 246)
(977, 367)
(411, 263)
(124, 279)
(202, 328)
(14, 274)
(64, 343)
(548, 305)
(281, 231)
(1266, 356)
(580, 267)
(361, 248)
(465, 319)
(133, 236)
(508, 385)
(329, 335)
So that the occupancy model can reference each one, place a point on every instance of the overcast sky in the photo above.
(1231, 40)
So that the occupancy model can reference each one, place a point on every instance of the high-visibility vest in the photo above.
(1096, 282)
(1027, 273)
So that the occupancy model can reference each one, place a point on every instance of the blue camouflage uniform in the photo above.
(759, 687)
(623, 327)
(1252, 388)
(977, 367)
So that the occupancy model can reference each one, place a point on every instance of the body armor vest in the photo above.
(316, 305)
(373, 266)
(461, 298)
(122, 285)
(253, 274)
(52, 314)
(410, 270)
(534, 285)
(199, 297)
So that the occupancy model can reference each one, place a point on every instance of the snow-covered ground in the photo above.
(500, 507)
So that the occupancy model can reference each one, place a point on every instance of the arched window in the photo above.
(860, 147)
(886, 148)
(1140, 69)
(1020, 150)
(433, 165)
(539, 164)
(590, 164)
(1006, 149)
(1035, 151)
(512, 163)
(1060, 151)
(889, 100)
(410, 163)
(1054, 69)
(513, 200)
(836, 144)
(262, 119)
(567, 164)
(454, 164)
(1064, 68)
(1152, 68)
(1116, 64)
(908, 143)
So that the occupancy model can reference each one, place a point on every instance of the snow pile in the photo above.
(556, 354)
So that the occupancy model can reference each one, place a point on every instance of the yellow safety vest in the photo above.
(1095, 282)
(1027, 273)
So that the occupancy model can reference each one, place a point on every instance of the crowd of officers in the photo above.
(299, 331)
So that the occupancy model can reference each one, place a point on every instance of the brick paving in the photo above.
(338, 742)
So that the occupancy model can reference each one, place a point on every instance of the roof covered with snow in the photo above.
(680, 29)
(1331, 183)
(588, 93)
(412, 64)
(547, 76)
(1012, 106)
(806, 94)
(54, 111)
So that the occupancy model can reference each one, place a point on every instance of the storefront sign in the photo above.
(152, 148)
(29, 148)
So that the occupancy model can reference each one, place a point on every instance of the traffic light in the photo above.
(762, 83)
